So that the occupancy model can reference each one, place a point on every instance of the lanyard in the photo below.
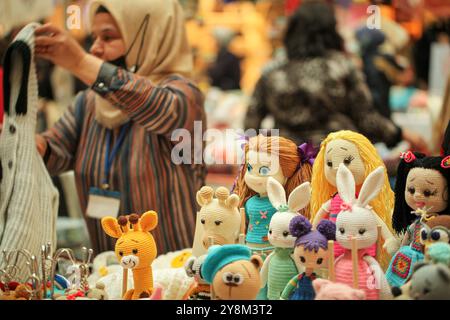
(109, 157)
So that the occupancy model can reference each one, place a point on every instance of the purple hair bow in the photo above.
(307, 153)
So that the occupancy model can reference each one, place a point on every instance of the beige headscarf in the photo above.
(165, 49)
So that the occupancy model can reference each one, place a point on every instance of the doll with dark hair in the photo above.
(310, 252)
(421, 191)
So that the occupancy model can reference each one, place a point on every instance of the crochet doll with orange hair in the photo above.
(359, 155)
(284, 161)
(265, 157)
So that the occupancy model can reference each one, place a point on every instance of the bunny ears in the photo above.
(345, 183)
(298, 199)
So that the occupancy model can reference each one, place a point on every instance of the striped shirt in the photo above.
(142, 170)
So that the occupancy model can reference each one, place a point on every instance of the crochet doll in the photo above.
(311, 253)
(219, 216)
(135, 249)
(435, 230)
(421, 187)
(360, 156)
(279, 267)
(265, 157)
(233, 272)
(357, 232)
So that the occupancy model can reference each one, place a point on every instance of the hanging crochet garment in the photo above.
(403, 261)
(28, 199)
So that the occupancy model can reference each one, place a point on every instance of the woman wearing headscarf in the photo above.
(117, 134)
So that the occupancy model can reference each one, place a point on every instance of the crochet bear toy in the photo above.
(233, 272)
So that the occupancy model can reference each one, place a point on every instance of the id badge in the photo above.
(103, 203)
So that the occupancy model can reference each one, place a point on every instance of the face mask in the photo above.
(120, 62)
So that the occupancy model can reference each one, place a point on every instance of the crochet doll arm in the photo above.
(257, 109)
(323, 213)
(265, 270)
(380, 280)
(366, 118)
(391, 243)
(175, 103)
(62, 139)
(291, 285)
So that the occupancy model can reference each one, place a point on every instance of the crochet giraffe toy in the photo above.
(135, 249)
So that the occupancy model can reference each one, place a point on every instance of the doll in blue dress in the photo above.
(311, 252)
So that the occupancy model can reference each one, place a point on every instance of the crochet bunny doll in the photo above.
(311, 253)
(421, 190)
(279, 267)
(357, 220)
(361, 157)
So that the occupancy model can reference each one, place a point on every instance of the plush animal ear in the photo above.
(276, 193)
(371, 187)
(419, 265)
(256, 261)
(232, 201)
(204, 195)
(318, 284)
(111, 227)
(444, 272)
(149, 221)
(345, 183)
(299, 197)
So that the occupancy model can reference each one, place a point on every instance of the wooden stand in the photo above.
(124, 281)
(331, 272)
(242, 211)
(379, 243)
(211, 243)
(355, 263)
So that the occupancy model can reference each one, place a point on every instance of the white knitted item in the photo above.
(28, 199)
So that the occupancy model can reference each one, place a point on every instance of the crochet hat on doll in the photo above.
(220, 256)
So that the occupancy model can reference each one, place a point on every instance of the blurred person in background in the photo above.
(319, 90)
(381, 70)
(225, 72)
(117, 134)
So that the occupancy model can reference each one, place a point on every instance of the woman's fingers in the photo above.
(45, 41)
(47, 29)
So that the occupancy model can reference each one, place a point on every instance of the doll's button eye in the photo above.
(218, 222)
(435, 235)
(135, 251)
(342, 230)
(202, 221)
(270, 231)
(238, 279)
(121, 253)
(362, 231)
(302, 259)
(427, 193)
(411, 190)
(424, 235)
(285, 234)
(330, 164)
(227, 277)
(249, 167)
(319, 261)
